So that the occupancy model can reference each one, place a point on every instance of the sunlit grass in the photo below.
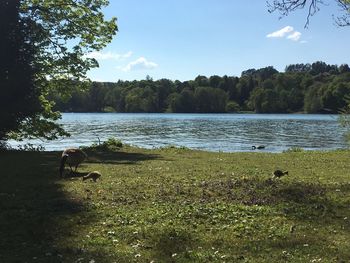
(177, 205)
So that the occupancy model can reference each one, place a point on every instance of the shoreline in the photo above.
(204, 113)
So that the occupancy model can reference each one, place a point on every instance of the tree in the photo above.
(298, 68)
(265, 100)
(61, 24)
(63, 32)
(141, 100)
(232, 106)
(344, 68)
(265, 73)
(334, 94)
(19, 98)
(214, 81)
(284, 7)
(201, 81)
(312, 99)
(290, 88)
(164, 87)
(210, 100)
(183, 102)
(244, 87)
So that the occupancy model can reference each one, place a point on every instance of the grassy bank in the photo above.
(176, 205)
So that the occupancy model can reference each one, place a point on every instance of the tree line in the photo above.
(309, 88)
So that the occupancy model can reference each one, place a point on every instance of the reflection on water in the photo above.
(213, 132)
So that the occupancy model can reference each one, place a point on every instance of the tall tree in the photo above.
(20, 96)
(63, 32)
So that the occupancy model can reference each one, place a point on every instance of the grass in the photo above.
(176, 205)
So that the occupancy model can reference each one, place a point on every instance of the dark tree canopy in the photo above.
(285, 7)
(19, 98)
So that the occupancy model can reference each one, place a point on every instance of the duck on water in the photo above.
(259, 147)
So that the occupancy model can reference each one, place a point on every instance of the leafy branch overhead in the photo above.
(66, 30)
(285, 7)
(54, 36)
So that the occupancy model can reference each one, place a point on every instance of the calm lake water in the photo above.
(213, 132)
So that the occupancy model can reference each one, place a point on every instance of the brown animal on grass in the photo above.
(73, 157)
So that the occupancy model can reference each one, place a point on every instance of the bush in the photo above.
(112, 144)
(232, 106)
(108, 109)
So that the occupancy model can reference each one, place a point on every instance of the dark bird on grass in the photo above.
(259, 147)
(279, 173)
(93, 175)
(73, 157)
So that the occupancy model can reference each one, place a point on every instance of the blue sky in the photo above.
(181, 39)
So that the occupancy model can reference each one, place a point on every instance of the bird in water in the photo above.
(279, 173)
(73, 157)
(93, 175)
(259, 147)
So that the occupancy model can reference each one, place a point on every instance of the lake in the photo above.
(213, 132)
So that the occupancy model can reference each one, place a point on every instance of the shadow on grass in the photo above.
(115, 157)
(170, 242)
(68, 174)
(38, 221)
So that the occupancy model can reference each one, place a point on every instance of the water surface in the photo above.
(213, 132)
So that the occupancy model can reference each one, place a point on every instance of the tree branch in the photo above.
(284, 7)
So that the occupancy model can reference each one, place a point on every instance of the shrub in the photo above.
(112, 144)
(232, 106)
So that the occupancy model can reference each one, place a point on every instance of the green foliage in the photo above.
(344, 118)
(108, 109)
(210, 100)
(112, 144)
(60, 34)
(312, 100)
(232, 106)
(141, 100)
(334, 94)
(183, 102)
(66, 31)
(262, 90)
(265, 100)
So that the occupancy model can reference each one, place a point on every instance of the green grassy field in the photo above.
(176, 205)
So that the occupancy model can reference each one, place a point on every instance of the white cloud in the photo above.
(288, 32)
(108, 55)
(282, 32)
(139, 64)
(295, 36)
